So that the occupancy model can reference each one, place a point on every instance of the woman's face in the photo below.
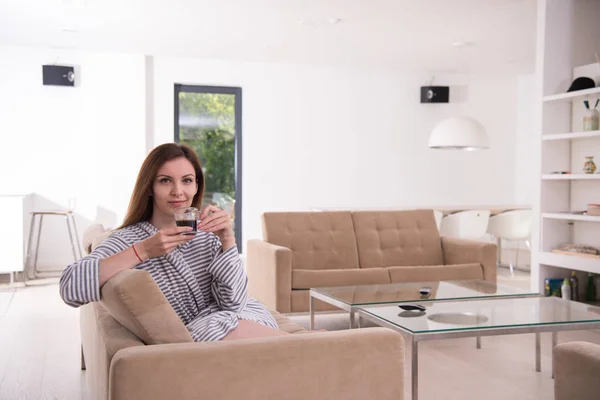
(174, 186)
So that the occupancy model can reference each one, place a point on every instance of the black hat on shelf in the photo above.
(582, 83)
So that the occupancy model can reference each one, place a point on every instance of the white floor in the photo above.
(39, 353)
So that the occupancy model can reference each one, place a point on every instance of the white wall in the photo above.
(525, 169)
(333, 137)
(84, 142)
(313, 136)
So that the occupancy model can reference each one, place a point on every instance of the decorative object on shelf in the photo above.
(574, 282)
(552, 287)
(459, 133)
(577, 248)
(593, 209)
(590, 294)
(589, 167)
(565, 289)
(591, 117)
(582, 83)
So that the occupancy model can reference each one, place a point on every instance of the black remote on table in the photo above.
(412, 307)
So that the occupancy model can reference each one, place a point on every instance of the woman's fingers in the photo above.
(216, 224)
(209, 209)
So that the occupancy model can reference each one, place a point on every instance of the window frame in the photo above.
(237, 92)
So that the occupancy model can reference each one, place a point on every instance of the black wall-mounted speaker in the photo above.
(58, 75)
(435, 94)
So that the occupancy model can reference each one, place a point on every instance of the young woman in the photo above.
(200, 275)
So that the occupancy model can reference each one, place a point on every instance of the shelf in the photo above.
(569, 262)
(572, 135)
(568, 177)
(571, 217)
(573, 95)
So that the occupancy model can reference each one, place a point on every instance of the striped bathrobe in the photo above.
(206, 286)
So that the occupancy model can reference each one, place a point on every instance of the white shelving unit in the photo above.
(583, 264)
(570, 177)
(572, 135)
(570, 96)
(571, 217)
(565, 50)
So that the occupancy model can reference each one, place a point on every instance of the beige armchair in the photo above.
(576, 371)
(136, 347)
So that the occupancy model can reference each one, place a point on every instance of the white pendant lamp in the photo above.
(459, 133)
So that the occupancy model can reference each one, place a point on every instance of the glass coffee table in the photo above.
(351, 298)
(488, 317)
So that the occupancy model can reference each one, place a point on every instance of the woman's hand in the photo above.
(163, 242)
(219, 223)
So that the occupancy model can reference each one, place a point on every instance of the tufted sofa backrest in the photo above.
(318, 240)
(397, 238)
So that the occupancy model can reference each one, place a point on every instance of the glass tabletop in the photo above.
(448, 316)
(409, 291)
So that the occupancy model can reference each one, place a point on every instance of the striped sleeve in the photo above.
(230, 286)
(80, 283)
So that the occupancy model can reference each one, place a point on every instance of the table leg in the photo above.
(538, 361)
(311, 308)
(415, 370)
(554, 341)
(352, 319)
(479, 342)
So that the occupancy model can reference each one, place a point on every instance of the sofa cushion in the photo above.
(318, 240)
(397, 238)
(306, 279)
(133, 298)
(424, 273)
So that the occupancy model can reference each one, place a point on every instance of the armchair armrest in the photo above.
(269, 270)
(460, 251)
(576, 371)
(353, 364)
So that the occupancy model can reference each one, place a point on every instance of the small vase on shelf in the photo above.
(589, 167)
(591, 117)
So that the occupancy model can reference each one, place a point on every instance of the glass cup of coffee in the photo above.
(187, 216)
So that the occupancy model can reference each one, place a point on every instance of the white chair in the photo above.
(438, 218)
(511, 226)
(471, 225)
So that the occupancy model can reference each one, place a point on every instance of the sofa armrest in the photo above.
(460, 251)
(353, 364)
(269, 270)
(576, 371)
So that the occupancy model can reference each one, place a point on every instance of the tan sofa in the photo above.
(302, 250)
(576, 371)
(134, 346)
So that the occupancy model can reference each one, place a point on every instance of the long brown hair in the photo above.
(140, 206)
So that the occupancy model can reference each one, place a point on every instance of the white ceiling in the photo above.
(399, 34)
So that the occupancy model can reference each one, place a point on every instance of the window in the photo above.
(209, 119)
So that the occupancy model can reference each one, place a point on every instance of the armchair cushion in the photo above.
(576, 371)
(136, 302)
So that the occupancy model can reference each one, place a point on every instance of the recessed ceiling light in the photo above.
(315, 23)
(463, 44)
